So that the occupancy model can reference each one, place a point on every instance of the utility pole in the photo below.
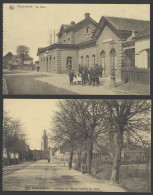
(50, 37)
(54, 36)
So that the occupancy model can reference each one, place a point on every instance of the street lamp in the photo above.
(112, 43)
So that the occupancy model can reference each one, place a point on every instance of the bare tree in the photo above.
(127, 117)
(80, 122)
(13, 135)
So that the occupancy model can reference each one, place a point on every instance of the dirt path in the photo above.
(54, 176)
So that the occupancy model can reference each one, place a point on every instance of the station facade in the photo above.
(107, 43)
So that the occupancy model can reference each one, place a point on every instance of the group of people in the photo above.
(88, 76)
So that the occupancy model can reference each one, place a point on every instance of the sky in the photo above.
(35, 115)
(31, 25)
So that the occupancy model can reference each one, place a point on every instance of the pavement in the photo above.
(53, 176)
(61, 81)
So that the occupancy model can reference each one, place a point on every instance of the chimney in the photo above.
(72, 22)
(87, 15)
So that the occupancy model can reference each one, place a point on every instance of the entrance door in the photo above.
(69, 63)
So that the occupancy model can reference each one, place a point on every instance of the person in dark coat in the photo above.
(83, 76)
(97, 74)
(100, 70)
(71, 75)
(90, 76)
(80, 69)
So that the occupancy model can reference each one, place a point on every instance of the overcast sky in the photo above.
(35, 115)
(31, 26)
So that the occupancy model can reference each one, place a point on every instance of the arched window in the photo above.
(82, 60)
(69, 62)
(87, 61)
(93, 59)
(113, 59)
(103, 61)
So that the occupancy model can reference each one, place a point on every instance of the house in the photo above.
(11, 61)
(14, 62)
(109, 43)
(28, 63)
(142, 48)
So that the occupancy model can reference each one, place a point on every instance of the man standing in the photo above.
(71, 75)
(80, 69)
(100, 70)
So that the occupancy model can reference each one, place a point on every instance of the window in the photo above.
(113, 60)
(102, 59)
(87, 61)
(82, 60)
(54, 63)
(93, 58)
(69, 62)
(69, 40)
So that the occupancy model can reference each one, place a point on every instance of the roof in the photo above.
(143, 32)
(127, 24)
(69, 27)
(121, 25)
(8, 54)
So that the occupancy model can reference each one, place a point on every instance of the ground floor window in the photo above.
(93, 59)
(103, 61)
(87, 61)
(54, 63)
(113, 60)
(69, 62)
(82, 60)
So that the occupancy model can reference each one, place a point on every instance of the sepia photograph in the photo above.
(79, 145)
(76, 49)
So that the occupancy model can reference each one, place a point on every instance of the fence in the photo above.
(135, 75)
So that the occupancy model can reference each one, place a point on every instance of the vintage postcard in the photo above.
(76, 49)
(85, 145)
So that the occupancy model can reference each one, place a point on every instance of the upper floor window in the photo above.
(69, 40)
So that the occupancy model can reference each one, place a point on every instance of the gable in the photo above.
(122, 27)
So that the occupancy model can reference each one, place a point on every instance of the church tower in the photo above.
(44, 141)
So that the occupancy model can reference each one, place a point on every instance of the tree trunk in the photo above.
(14, 158)
(71, 159)
(8, 156)
(117, 158)
(79, 160)
(89, 154)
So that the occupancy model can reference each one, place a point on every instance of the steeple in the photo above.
(44, 141)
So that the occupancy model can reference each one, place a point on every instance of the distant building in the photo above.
(44, 141)
(14, 62)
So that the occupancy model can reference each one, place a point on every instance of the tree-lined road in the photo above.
(53, 176)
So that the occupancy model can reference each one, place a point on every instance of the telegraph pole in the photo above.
(50, 37)
(54, 36)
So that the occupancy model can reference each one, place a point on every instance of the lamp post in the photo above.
(113, 65)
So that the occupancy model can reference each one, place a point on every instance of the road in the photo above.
(53, 84)
(53, 176)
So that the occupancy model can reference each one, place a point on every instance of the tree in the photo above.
(128, 117)
(79, 121)
(22, 51)
(13, 135)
